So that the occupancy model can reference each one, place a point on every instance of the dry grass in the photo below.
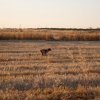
(50, 34)
(70, 72)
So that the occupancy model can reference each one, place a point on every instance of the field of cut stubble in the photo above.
(71, 71)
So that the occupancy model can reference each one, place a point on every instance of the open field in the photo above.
(71, 71)
(50, 34)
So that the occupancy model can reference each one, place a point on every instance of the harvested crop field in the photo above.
(71, 71)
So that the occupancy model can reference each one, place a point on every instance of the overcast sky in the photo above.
(50, 13)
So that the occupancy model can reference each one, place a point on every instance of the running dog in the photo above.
(45, 51)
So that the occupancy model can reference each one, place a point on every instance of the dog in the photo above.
(44, 52)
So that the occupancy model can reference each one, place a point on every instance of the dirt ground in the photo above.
(71, 71)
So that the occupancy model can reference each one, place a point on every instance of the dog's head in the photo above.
(49, 49)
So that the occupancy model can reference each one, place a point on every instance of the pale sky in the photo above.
(50, 13)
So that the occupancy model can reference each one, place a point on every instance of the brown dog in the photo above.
(45, 51)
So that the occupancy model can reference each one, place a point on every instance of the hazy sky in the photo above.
(50, 13)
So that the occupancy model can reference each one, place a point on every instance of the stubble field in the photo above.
(71, 71)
